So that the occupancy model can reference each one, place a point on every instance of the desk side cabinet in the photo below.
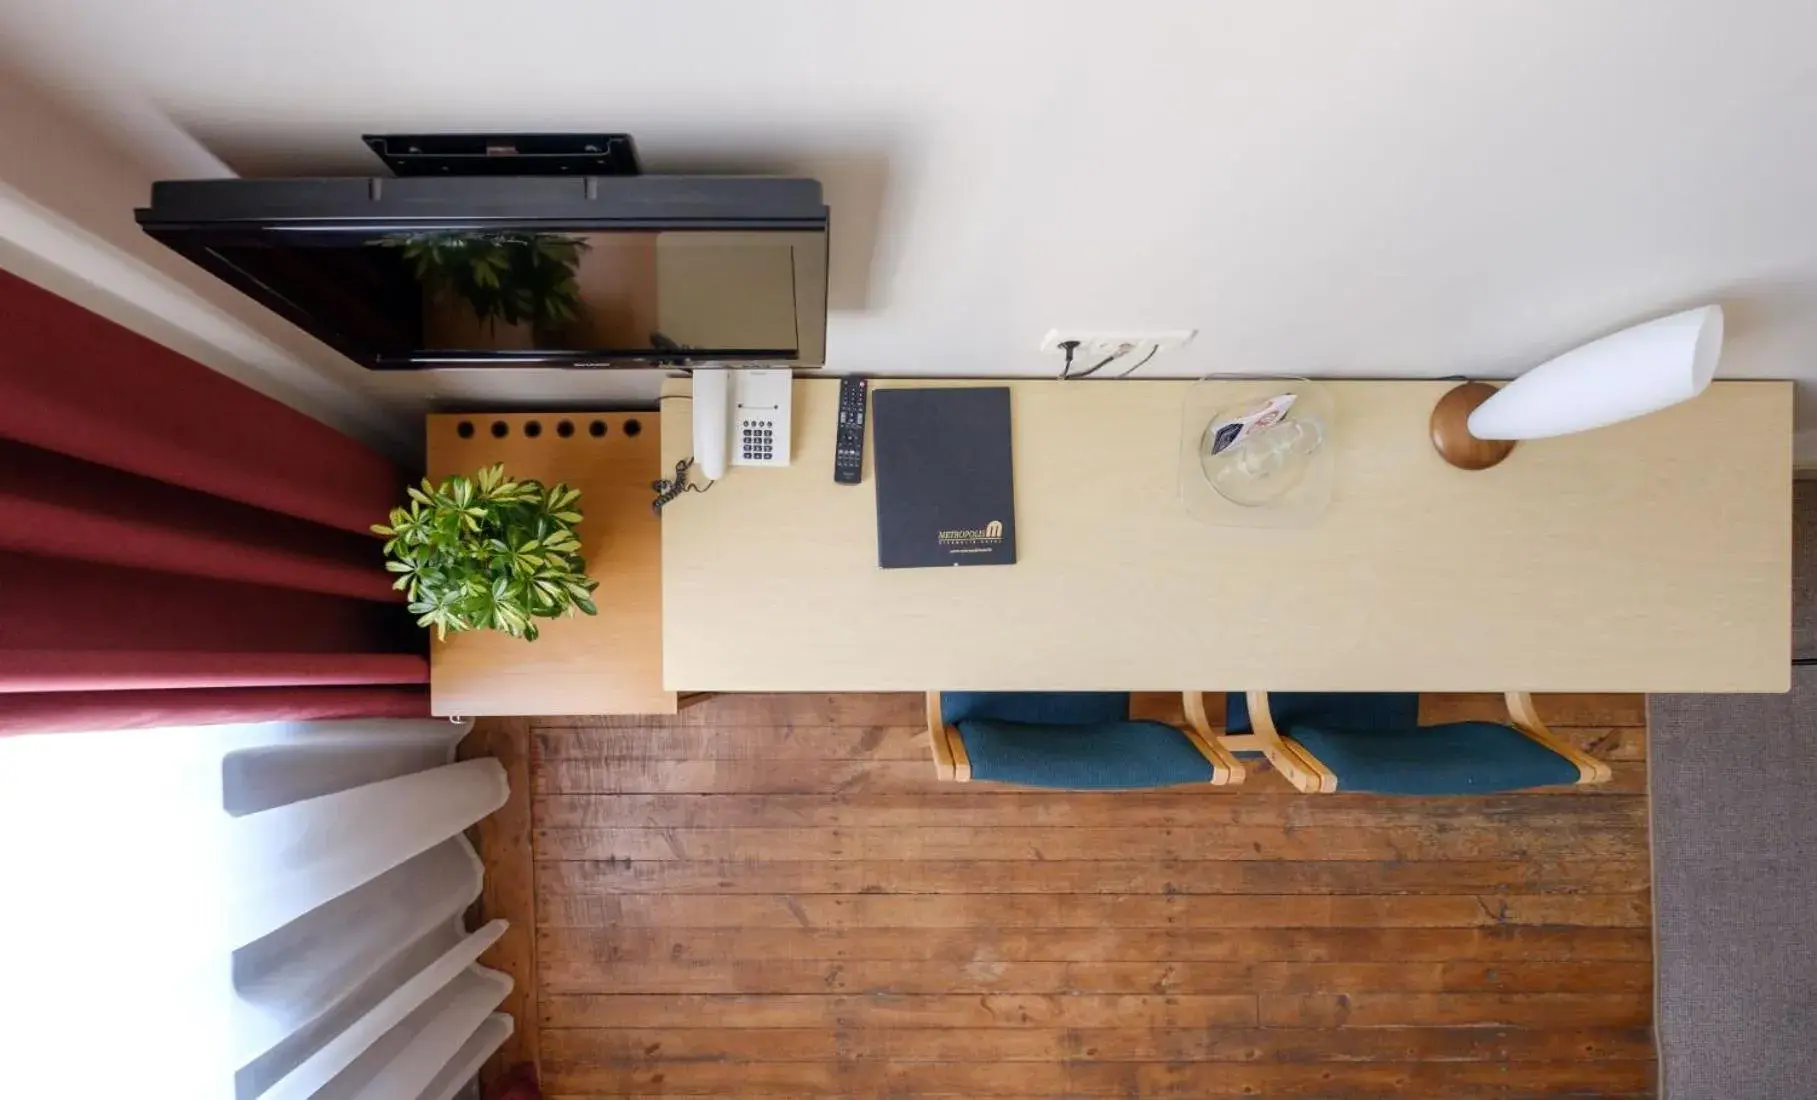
(610, 663)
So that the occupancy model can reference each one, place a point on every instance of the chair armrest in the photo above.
(950, 760)
(1197, 716)
(1208, 739)
(1524, 716)
(1300, 767)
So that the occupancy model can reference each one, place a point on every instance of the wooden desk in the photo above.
(610, 663)
(1654, 555)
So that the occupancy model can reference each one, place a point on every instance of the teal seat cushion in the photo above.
(1458, 758)
(1102, 756)
(1053, 708)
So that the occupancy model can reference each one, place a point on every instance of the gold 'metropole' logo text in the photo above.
(990, 532)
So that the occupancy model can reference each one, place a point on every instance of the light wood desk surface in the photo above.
(1653, 555)
(610, 663)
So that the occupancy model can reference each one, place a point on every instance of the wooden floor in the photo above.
(772, 896)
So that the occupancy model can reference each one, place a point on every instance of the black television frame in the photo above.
(187, 215)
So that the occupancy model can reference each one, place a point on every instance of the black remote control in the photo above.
(848, 441)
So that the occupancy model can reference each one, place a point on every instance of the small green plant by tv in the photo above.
(488, 552)
(507, 276)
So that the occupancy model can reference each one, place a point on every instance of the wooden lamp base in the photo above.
(1451, 429)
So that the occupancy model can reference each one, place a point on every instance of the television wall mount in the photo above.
(506, 154)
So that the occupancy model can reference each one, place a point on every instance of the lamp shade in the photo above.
(1630, 373)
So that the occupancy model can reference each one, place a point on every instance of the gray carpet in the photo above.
(1734, 804)
(1804, 570)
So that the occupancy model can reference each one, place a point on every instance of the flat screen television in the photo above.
(414, 273)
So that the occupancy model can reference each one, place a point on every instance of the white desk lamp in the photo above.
(1630, 373)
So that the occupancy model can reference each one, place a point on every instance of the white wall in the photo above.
(81, 162)
(1404, 187)
(67, 193)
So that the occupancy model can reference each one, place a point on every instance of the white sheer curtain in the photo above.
(269, 911)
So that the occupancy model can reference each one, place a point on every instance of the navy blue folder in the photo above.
(945, 488)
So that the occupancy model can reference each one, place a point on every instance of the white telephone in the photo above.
(745, 410)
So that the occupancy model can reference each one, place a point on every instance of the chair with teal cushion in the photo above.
(1066, 740)
(1373, 742)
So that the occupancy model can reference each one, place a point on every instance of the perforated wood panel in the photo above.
(605, 664)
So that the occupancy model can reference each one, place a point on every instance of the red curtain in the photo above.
(176, 548)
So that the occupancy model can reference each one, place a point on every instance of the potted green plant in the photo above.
(522, 281)
(488, 552)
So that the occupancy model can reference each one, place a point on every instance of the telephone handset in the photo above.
(746, 411)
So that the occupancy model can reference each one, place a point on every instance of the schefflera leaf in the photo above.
(488, 552)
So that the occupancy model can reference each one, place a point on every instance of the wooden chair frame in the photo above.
(1525, 718)
(1288, 758)
(952, 763)
(1308, 775)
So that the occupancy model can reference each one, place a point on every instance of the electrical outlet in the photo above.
(1102, 342)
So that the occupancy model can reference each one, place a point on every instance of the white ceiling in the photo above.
(1399, 187)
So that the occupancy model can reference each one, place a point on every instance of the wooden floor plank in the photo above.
(773, 895)
(734, 743)
(567, 974)
(1041, 843)
(983, 1077)
(1557, 710)
(1498, 943)
(1375, 1009)
(581, 878)
(920, 911)
(956, 805)
(1007, 1010)
(1461, 1044)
